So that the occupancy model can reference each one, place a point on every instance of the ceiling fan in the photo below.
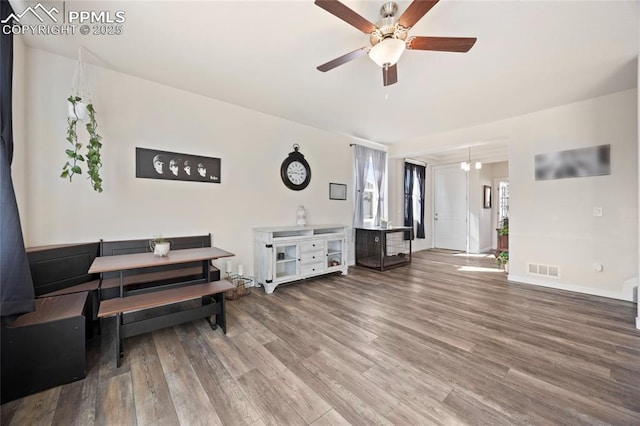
(389, 37)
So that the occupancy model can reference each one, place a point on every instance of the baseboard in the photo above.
(638, 323)
(559, 285)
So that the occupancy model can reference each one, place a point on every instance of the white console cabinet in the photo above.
(285, 254)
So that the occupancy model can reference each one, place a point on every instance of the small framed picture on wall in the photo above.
(337, 191)
(486, 197)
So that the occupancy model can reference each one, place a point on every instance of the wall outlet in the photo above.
(597, 211)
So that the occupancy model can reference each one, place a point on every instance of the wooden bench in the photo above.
(44, 348)
(62, 269)
(212, 305)
(138, 281)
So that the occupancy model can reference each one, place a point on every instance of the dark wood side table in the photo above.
(503, 242)
(383, 248)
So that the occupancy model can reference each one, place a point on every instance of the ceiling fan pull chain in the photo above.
(386, 78)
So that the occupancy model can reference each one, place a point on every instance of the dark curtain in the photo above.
(420, 174)
(414, 174)
(16, 287)
(408, 197)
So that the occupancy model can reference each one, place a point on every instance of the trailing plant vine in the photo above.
(93, 150)
(69, 169)
(72, 166)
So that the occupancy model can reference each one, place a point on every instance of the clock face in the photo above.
(296, 172)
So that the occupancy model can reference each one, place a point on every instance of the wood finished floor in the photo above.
(444, 341)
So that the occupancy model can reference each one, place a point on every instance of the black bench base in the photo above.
(45, 348)
(212, 307)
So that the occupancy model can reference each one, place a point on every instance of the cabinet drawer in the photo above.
(309, 246)
(312, 257)
(312, 268)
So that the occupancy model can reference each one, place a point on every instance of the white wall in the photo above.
(19, 164)
(500, 171)
(638, 106)
(395, 173)
(552, 222)
(479, 217)
(132, 113)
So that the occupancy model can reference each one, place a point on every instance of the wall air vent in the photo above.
(544, 270)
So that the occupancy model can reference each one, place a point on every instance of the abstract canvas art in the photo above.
(591, 161)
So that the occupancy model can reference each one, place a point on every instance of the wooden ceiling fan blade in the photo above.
(415, 12)
(344, 59)
(347, 15)
(390, 75)
(442, 44)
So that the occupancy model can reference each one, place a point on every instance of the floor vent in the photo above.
(546, 270)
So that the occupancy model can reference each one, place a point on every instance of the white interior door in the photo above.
(450, 208)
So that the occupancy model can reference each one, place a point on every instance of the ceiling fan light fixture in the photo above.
(387, 52)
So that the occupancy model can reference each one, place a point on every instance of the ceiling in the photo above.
(530, 55)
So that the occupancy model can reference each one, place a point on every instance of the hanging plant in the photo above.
(74, 158)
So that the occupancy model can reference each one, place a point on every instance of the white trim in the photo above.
(416, 162)
(559, 285)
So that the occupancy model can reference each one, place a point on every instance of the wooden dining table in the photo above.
(124, 262)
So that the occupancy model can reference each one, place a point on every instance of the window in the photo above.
(371, 171)
(369, 198)
(503, 203)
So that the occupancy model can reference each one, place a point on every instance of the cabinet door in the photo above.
(285, 259)
(335, 253)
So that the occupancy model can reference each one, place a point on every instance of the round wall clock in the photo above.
(295, 171)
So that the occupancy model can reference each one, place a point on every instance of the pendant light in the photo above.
(466, 165)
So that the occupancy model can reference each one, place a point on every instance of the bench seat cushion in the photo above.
(51, 309)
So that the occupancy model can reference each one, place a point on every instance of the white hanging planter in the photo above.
(78, 112)
(80, 89)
